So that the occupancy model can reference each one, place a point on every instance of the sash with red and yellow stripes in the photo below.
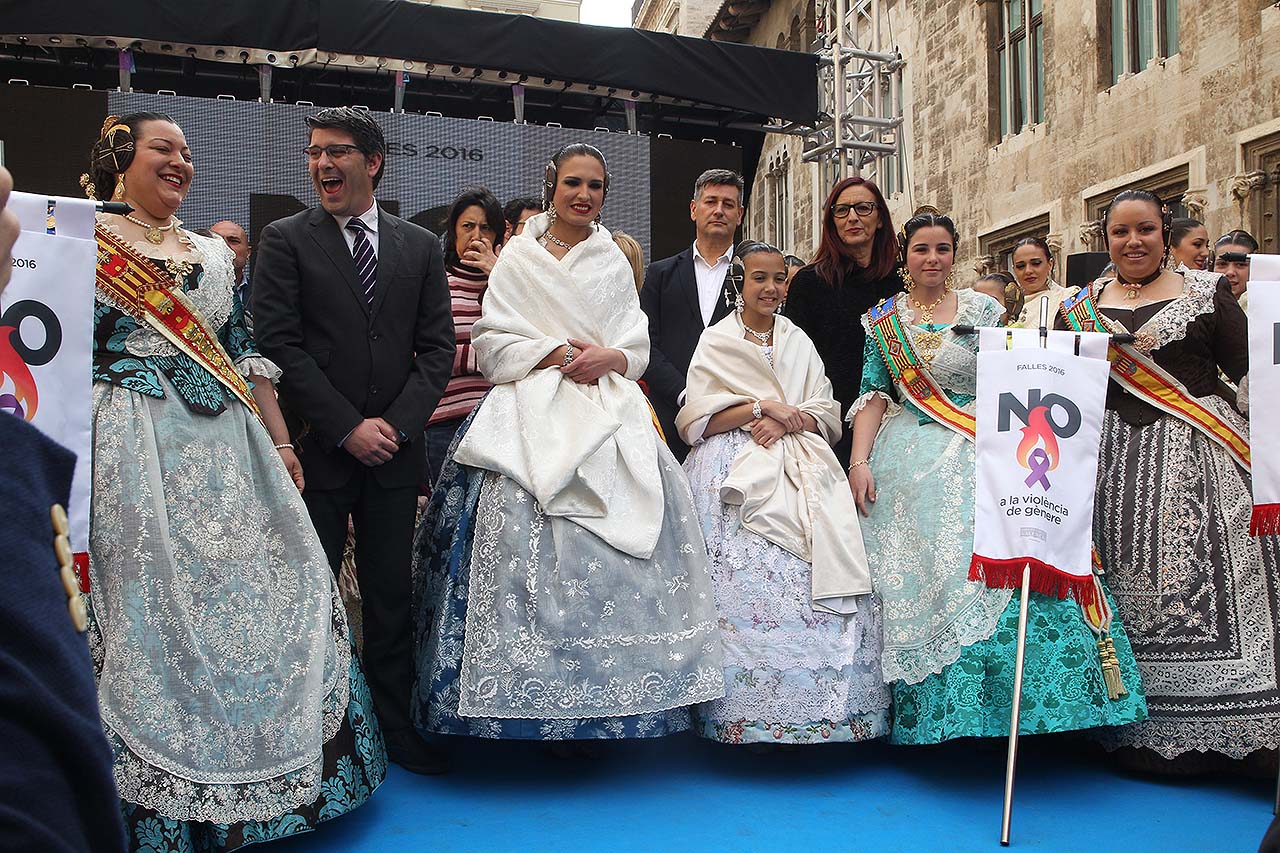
(151, 296)
(1150, 382)
(911, 375)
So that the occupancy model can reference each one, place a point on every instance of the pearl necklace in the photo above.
(762, 337)
(547, 235)
(154, 233)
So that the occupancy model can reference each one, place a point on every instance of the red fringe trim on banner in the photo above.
(1265, 520)
(1045, 579)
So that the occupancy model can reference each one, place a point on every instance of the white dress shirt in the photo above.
(370, 220)
(710, 278)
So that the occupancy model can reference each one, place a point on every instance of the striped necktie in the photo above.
(366, 260)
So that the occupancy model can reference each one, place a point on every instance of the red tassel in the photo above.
(1265, 520)
(1045, 579)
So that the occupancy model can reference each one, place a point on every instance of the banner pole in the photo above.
(1011, 760)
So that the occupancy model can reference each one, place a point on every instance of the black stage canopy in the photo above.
(744, 85)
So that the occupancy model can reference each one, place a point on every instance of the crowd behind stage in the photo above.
(696, 495)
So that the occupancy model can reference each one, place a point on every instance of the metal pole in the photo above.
(838, 60)
(402, 78)
(517, 101)
(264, 83)
(877, 102)
(125, 60)
(1011, 760)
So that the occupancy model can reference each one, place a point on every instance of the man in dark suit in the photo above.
(352, 304)
(684, 294)
(56, 786)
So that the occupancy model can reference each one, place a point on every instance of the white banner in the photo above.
(46, 335)
(1039, 423)
(1264, 390)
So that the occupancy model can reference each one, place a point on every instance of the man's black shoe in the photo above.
(414, 754)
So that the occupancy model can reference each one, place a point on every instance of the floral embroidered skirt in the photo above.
(355, 763)
(1062, 686)
(445, 583)
(791, 675)
(1199, 596)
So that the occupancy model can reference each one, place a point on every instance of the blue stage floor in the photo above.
(685, 794)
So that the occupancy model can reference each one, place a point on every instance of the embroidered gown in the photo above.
(1198, 594)
(233, 703)
(527, 624)
(792, 674)
(949, 643)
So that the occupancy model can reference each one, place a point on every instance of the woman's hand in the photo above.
(789, 416)
(479, 254)
(293, 465)
(863, 485)
(765, 431)
(591, 361)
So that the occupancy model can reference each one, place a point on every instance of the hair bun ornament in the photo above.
(114, 150)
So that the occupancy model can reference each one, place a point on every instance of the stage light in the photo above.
(219, 53)
(359, 60)
(55, 40)
(165, 48)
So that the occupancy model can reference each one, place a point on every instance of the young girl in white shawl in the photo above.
(561, 584)
(801, 628)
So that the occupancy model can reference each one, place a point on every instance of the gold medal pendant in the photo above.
(155, 235)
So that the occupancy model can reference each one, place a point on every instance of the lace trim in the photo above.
(780, 649)
(973, 625)
(145, 341)
(837, 698)
(257, 365)
(861, 403)
(1170, 323)
(1171, 738)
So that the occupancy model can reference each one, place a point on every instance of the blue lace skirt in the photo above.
(441, 560)
(1062, 686)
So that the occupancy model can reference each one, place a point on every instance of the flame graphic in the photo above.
(1038, 430)
(25, 396)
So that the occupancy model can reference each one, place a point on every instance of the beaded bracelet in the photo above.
(283, 446)
(853, 465)
(568, 356)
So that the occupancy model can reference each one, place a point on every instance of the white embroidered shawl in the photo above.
(793, 493)
(587, 453)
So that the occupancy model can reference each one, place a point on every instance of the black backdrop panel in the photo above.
(676, 164)
(47, 134)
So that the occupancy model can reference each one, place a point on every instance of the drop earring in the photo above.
(908, 284)
(737, 302)
(551, 214)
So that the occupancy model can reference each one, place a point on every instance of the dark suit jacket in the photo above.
(56, 787)
(670, 299)
(342, 361)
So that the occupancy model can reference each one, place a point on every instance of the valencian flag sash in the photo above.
(151, 296)
(910, 374)
(46, 340)
(1264, 388)
(1039, 424)
(1138, 374)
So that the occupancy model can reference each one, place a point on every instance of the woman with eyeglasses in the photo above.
(790, 575)
(855, 268)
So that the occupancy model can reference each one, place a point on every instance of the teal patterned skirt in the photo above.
(1062, 684)
(355, 763)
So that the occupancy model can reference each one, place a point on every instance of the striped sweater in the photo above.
(466, 385)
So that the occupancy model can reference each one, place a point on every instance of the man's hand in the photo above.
(373, 442)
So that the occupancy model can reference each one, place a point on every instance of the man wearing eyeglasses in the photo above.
(353, 304)
(685, 293)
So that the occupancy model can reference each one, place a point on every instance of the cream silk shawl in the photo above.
(794, 492)
(587, 453)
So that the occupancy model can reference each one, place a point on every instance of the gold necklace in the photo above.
(926, 311)
(928, 342)
(154, 233)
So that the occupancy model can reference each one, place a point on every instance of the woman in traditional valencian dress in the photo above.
(1197, 593)
(949, 642)
(234, 706)
(561, 584)
(801, 629)
(1033, 267)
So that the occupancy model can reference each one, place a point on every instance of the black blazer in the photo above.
(670, 299)
(342, 361)
(56, 787)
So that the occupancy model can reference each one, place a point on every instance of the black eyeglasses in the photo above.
(336, 151)
(862, 208)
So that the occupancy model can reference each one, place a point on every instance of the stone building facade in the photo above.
(554, 10)
(1026, 116)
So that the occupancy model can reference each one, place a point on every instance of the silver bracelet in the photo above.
(755, 410)
(568, 355)
(283, 446)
